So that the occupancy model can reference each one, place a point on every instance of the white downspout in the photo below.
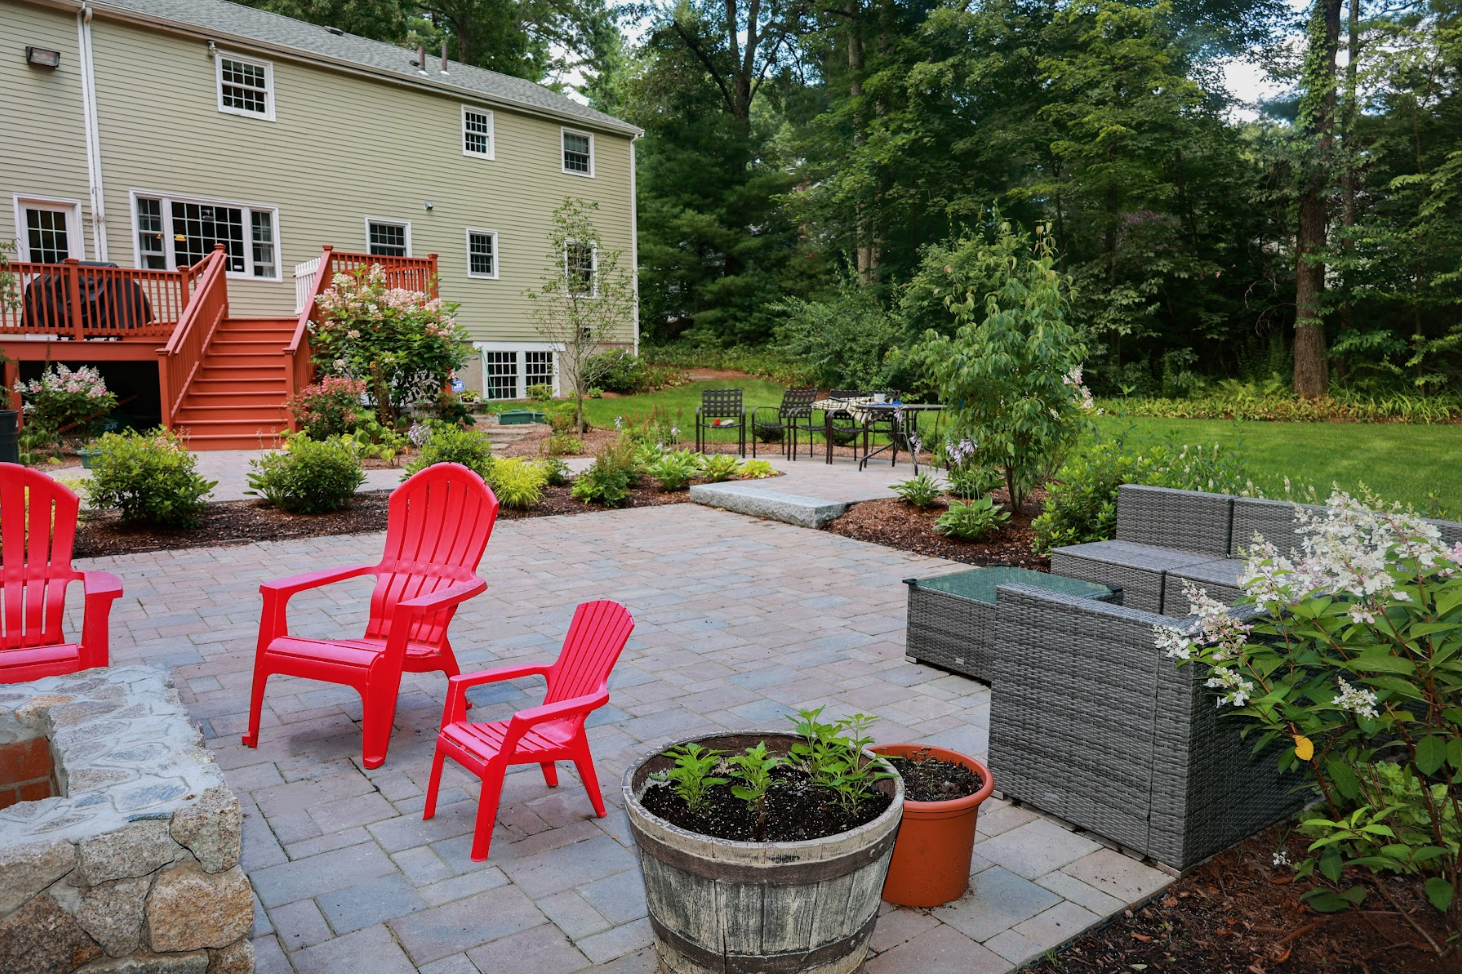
(93, 135)
(634, 240)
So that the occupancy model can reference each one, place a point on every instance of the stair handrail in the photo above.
(298, 349)
(179, 359)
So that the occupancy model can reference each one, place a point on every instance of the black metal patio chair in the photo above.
(774, 423)
(720, 409)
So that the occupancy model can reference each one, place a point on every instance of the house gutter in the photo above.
(345, 67)
(93, 134)
(634, 237)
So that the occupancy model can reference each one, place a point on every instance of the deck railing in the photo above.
(178, 361)
(410, 273)
(77, 301)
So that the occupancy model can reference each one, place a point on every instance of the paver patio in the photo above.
(740, 622)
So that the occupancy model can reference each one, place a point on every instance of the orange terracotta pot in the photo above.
(931, 858)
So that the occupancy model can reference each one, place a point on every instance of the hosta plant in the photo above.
(757, 470)
(1354, 663)
(971, 520)
(675, 470)
(920, 491)
(721, 466)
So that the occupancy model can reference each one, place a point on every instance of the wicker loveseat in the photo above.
(1091, 722)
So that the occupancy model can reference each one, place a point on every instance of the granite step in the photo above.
(774, 505)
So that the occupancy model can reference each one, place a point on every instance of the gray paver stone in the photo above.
(1036, 848)
(998, 899)
(942, 950)
(463, 924)
(371, 902)
(541, 950)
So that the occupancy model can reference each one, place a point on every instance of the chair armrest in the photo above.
(299, 583)
(525, 719)
(100, 589)
(451, 595)
(457, 686)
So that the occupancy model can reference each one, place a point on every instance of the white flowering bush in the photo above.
(404, 344)
(1355, 662)
(62, 400)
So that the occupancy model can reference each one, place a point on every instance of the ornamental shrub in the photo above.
(329, 407)
(721, 466)
(518, 482)
(675, 470)
(563, 445)
(403, 344)
(1011, 374)
(63, 401)
(308, 476)
(452, 444)
(1354, 665)
(920, 491)
(149, 477)
(555, 471)
(607, 485)
(757, 470)
(1081, 502)
(619, 370)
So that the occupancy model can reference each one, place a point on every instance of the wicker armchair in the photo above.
(1091, 722)
(720, 409)
(796, 404)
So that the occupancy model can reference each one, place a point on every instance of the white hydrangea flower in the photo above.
(1362, 703)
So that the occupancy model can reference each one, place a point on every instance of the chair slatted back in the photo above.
(37, 531)
(438, 525)
(844, 394)
(797, 403)
(595, 639)
(721, 403)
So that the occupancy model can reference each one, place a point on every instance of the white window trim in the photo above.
(565, 169)
(594, 260)
(169, 253)
(218, 59)
(387, 221)
(75, 244)
(491, 152)
(520, 348)
(496, 254)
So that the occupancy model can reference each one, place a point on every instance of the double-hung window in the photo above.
(580, 266)
(482, 253)
(388, 238)
(578, 152)
(50, 230)
(245, 86)
(174, 232)
(510, 369)
(476, 133)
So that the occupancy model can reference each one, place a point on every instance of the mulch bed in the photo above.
(1241, 914)
(893, 523)
(242, 522)
(795, 810)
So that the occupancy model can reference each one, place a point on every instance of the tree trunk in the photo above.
(1317, 119)
(863, 252)
(1350, 185)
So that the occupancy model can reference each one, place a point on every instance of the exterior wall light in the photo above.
(42, 58)
(427, 204)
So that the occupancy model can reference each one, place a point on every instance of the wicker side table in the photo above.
(951, 619)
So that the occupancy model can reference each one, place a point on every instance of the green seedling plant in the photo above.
(751, 771)
(832, 755)
(691, 776)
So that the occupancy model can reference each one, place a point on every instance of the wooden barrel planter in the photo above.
(723, 907)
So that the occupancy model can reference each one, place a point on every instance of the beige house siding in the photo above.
(342, 147)
(42, 132)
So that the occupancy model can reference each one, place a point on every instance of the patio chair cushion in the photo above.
(1188, 520)
(1140, 569)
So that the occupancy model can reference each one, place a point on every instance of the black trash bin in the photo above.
(9, 443)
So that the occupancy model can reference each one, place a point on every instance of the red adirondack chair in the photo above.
(35, 545)
(578, 683)
(437, 528)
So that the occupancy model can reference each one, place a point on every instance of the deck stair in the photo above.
(236, 399)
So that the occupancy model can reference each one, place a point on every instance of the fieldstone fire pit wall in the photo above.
(132, 864)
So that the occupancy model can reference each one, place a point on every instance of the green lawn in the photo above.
(1400, 462)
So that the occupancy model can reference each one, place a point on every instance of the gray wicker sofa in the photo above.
(1091, 722)
(1167, 536)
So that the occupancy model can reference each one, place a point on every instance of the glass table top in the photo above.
(981, 583)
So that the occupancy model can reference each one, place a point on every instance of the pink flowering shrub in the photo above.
(63, 401)
(330, 406)
(1355, 662)
(403, 344)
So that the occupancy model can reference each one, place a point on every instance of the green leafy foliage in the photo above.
(149, 477)
(972, 520)
(1081, 502)
(563, 445)
(445, 443)
(751, 774)
(1010, 374)
(721, 466)
(833, 755)
(756, 470)
(64, 401)
(329, 407)
(608, 479)
(517, 482)
(555, 471)
(691, 776)
(540, 392)
(308, 476)
(676, 469)
(921, 491)
(973, 480)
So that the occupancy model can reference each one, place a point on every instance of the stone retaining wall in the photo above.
(133, 865)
